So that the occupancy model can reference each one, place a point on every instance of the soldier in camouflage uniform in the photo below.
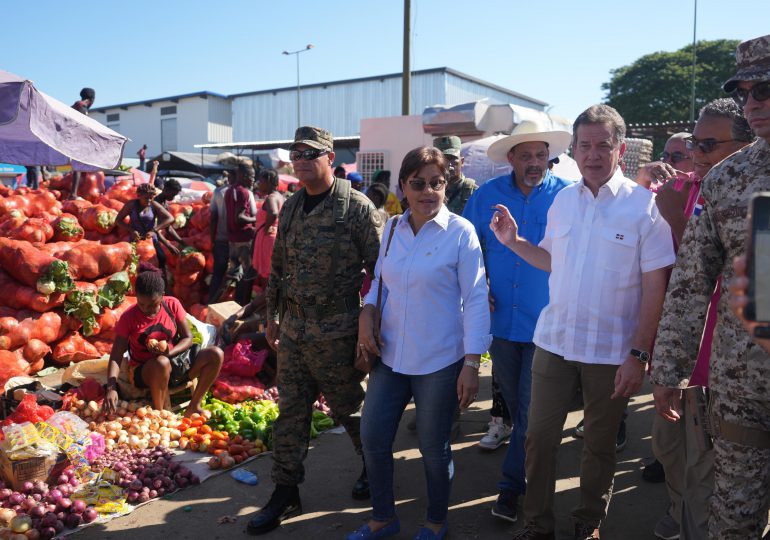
(739, 376)
(328, 235)
(459, 188)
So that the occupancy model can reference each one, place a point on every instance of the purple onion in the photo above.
(27, 487)
(16, 498)
(73, 520)
(78, 506)
(46, 533)
(5, 493)
(54, 495)
(90, 515)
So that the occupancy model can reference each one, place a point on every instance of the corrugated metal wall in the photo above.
(220, 127)
(459, 90)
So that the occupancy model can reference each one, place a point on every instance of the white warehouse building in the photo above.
(177, 123)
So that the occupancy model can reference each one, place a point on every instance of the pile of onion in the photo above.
(39, 512)
(142, 428)
(146, 474)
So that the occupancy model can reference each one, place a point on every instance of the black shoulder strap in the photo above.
(340, 206)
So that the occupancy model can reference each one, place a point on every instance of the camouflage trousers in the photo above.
(741, 496)
(304, 369)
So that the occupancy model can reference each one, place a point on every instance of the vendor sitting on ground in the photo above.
(157, 336)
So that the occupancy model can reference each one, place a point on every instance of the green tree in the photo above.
(657, 87)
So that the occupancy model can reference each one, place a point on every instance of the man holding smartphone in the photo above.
(740, 373)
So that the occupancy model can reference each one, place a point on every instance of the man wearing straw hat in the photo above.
(518, 291)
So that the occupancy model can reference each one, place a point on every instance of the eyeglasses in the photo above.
(760, 92)
(674, 157)
(308, 155)
(436, 184)
(704, 145)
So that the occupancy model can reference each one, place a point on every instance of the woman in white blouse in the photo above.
(434, 329)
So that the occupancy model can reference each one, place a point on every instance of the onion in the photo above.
(37, 496)
(58, 526)
(16, 498)
(28, 503)
(6, 515)
(17, 508)
(64, 504)
(74, 481)
(37, 511)
(27, 487)
(194, 480)
(33, 534)
(63, 479)
(152, 494)
(54, 495)
(143, 497)
(46, 533)
(132, 496)
(41, 487)
(73, 520)
(90, 515)
(78, 506)
(5, 493)
(135, 485)
(48, 520)
(60, 515)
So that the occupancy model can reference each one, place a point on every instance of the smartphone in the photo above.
(758, 263)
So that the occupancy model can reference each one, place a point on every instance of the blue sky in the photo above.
(557, 51)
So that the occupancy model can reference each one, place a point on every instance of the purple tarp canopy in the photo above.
(36, 129)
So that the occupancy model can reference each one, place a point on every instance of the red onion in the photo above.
(37, 511)
(58, 526)
(74, 481)
(37, 496)
(73, 520)
(46, 533)
(27, 487)
(194, 480)
(17, 508)
(48, 520)
(143, 497)
(78, 506)
(54, 495)
(64, 504)
(16, 498)
(41, 487)
(90, 515)
(152, 494)
(5, 493)
(33, 534)
(63, 479)
(132, 496)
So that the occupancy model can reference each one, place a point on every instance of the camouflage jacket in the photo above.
(457, 195)
(309, 241)
(738, 366)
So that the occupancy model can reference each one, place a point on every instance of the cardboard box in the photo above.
(48, 469)
(218, 313)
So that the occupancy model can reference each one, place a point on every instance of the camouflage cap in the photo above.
(449, 145)
(752, 59)
(313, 137)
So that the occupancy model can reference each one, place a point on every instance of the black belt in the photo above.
(337, 306)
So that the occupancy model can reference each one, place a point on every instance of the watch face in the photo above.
(644, 357)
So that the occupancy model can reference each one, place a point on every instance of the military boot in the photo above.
(283, 504)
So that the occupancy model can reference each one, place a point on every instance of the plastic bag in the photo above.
(70, 424)
(18, 436)
(241, 360)
(29, 411)
(94, 446)
(90, 390)
(235, 389)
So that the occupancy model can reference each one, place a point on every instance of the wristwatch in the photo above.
(642, 356)
(475, 364)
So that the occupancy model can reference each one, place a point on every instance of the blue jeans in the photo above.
(435, 400)
(513, 373)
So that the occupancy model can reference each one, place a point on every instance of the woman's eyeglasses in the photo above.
(760, 92)
(308, 155)
(437, 184)
(704, 145)
(673, 157)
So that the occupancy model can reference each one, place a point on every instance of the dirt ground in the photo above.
(332, 468)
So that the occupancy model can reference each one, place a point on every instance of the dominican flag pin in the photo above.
(698, 208)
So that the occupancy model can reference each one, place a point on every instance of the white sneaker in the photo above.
(496, 435)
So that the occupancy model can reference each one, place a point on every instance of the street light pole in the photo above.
(297, 53)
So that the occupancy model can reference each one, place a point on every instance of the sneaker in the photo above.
(583, 531)
(528, 533)
(667, 528)
(654, 473)
(505, 506)
(620, 439)
(496, 435)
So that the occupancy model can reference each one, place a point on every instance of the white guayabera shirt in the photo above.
(435, 306)
(600, 247)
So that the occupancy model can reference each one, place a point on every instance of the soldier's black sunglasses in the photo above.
(308, 155)
(437, 184)
(760, 92)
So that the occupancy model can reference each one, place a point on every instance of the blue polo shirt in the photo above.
(519, 289)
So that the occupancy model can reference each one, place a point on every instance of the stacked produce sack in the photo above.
(66, 272)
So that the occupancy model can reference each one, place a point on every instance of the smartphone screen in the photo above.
(759, 259)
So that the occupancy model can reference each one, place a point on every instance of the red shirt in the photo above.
(137, 328)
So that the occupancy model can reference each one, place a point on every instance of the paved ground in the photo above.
(332, 468)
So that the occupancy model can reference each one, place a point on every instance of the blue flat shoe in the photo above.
(427, 534)
(365, 533)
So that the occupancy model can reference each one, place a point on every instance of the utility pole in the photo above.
(297, 53)
(406, 85)
(692, 96)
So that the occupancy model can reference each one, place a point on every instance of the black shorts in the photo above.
(180, 369)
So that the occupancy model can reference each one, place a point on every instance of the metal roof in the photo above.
(393, 76)
(204, 94)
